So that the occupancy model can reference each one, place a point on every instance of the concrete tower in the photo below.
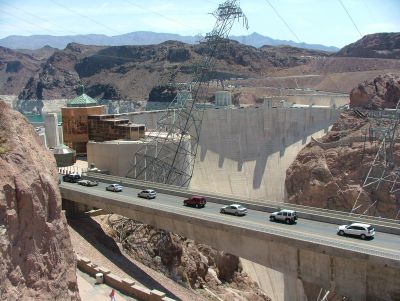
(223, 98)
(51, 129)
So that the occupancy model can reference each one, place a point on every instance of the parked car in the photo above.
(195, 201)
(72, 177)
(114, 187)
(287, 216)
(235, 209)
(147, 193)
(357, 229)
(88, 183)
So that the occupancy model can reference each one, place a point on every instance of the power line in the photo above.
(351, 19)
(43, 19)
(161, 15)
(298, 39)
(86, 17)
(28, 22)
(284, 22)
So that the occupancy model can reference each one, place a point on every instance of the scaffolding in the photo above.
(169, 153)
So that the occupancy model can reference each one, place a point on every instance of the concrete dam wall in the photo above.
(246, 152)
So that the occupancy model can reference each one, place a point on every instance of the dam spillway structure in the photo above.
(171, 157)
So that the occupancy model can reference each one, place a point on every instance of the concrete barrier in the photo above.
(124, 285)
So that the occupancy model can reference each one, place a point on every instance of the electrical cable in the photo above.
(284, 22)
(351, 19)
(86, 17)
(163, 16)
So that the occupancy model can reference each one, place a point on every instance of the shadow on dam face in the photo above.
(247, 152)
(256, 135)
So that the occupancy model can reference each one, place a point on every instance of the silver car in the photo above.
(357, 229)
(235, 209)
(147, 193)
(114, 187)
(287, 216)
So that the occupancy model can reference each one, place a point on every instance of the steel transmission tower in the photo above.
(384, 172)
(169, 151)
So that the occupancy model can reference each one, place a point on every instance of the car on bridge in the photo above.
(88, 183)
(195, 201)
(71, 177)
(114, 187)
(147, 193)
(235, 209)
(357, 229)
(287, 216)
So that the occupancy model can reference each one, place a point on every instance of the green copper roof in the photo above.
(82, 101)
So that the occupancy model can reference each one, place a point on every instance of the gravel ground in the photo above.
(90, 241)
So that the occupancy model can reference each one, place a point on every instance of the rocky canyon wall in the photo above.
(37, 260)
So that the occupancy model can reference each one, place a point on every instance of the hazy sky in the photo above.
(311, 21)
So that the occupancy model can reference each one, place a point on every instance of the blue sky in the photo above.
(311, 21)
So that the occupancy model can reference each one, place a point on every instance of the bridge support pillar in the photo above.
(73, 209)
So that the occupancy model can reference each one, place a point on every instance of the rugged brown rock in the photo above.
(381, 92)
(37, 260)
(330, 173)
(194, 265)
(377, 45)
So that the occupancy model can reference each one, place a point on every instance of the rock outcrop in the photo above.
(330, 173)
(37, 260)
(378, 45)
(192, 264)
(381, 92)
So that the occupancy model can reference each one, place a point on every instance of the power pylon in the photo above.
(384, 172)
(169, 152)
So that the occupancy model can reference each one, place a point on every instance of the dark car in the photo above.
(72, 177)
(195, 201)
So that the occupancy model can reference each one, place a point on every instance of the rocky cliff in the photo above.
(330, 173)
(381, 92)
(130, 72)
(378, 45)
(37, 260)
(194, 265)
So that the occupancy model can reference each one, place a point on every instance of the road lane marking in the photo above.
(231, 220)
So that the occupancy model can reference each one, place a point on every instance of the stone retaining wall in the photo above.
(124, 285)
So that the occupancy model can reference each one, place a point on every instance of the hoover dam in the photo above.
(243, 152)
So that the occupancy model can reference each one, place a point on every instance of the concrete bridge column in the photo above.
(73, 209)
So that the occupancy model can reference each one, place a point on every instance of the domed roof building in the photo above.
(75, 121)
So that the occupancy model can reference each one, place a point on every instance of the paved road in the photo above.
(254, 219)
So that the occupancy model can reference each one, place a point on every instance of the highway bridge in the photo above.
(309, 250)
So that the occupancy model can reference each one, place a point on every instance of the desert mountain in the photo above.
(140, 38)
(377, 45)
(16, 69)
(130, 72)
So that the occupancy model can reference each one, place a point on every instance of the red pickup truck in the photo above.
(195, 201)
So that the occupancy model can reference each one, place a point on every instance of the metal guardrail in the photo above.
(312, 213)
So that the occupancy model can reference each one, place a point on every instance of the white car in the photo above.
(147, 193)
(114, 187)
(287, 216)
(235, 209)
(357, 229)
